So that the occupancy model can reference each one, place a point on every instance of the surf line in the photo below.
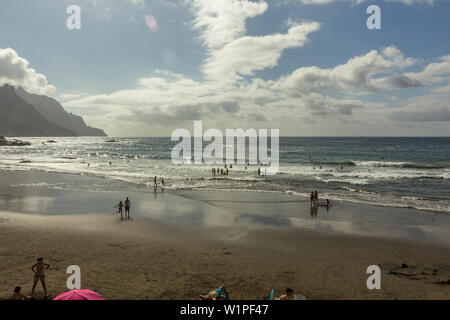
(256, 148)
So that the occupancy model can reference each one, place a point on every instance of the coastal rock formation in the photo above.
(27, 115)
(18, 118)
(54, 112)
(13, 143)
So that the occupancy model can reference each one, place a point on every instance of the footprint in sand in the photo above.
(414, 273)
(118, 245)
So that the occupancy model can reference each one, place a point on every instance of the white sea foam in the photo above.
(137, 161)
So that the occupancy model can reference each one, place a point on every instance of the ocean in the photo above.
(396, 172)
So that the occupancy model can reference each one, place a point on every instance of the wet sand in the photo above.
(144, 259)
(178, 247)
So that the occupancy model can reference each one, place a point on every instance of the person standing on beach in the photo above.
(39, 274)
(316, 198)
(120, 205)
(127, 208)
(313, 203)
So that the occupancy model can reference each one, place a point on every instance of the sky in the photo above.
(306, 67)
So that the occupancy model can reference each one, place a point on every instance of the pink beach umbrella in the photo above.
(83, 294)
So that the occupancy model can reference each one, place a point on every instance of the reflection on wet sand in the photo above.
(237, 210)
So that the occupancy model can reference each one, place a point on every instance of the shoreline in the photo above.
(181, 245)
(41, 193)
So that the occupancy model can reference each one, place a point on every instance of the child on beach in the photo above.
(120, 205)
(39, 274)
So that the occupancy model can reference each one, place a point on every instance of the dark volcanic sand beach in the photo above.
(181, 245)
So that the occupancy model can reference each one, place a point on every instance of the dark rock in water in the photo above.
(13, 143)
(51, 141)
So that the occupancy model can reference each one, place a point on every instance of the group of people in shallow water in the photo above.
(315, 200)
(224, 171)
(38, 269)
(155, 182)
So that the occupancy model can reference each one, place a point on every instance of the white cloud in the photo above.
(170, 99)
(232, 55)
(428, 108)
(443, 89)
(15, 70)
(434, 72)
(244, 56)
(222, 21)
(356, 74)
(230, 95)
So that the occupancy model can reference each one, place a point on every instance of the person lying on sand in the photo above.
(39, 274)
(18, 295)
(217, 294)
(289, 295)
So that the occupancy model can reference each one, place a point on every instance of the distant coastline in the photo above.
(23, 114)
